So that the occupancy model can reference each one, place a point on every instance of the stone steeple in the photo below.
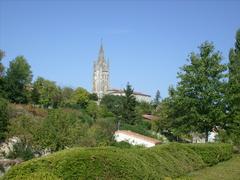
(101, 54)
(101, 75)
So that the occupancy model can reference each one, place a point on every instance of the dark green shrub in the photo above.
(121, 144)
(22, 151)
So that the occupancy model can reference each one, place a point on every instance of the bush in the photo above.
(121, 144)
(22, 151)
(169, 160)
(213, 153)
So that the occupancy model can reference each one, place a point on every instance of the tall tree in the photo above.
(164, 122)
(129, 105)
(198, 99)
(157, 98)
(18, 78)
(233, 90)
(2, 54)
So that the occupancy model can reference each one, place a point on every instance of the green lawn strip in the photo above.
(228, 170)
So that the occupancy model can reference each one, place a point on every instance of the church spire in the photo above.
(101, 53)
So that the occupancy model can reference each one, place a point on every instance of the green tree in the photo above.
(157, 99)
(18, 80)
(80, 97)
(143, 108)
(129, 114)
(93, 96)
(67, 92)
(100, 133)
(46, 93)
(2, 82)
(2, 54)
(93, 110)
(198, 98)
(233, 91)
(164, 122)
(4, 119)
(114, 104)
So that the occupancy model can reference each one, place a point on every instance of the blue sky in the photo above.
(146, 41)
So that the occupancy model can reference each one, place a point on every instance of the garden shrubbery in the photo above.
(213, 153)
(169, 160)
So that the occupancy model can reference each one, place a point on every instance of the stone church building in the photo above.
(101, 80)
(101, 75)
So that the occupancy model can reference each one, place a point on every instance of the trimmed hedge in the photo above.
(213, 153)
(169, 160)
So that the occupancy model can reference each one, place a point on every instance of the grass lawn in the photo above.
(228, 170)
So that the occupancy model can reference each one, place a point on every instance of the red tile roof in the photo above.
(139, 136)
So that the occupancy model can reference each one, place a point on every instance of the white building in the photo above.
(200, 138)
(135, 138)
(140, 97)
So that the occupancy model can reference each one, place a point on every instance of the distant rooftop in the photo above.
(121, 91)
(139, 136)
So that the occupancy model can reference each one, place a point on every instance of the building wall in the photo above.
(139, 98)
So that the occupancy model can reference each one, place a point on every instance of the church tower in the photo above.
(101, 75)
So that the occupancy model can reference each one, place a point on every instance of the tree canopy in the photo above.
(198, 98)
(233, 91)
(46, 93)
(129, 106)
(18, 80)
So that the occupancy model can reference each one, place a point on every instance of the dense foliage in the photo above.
(18, 80)
(4, 118)
(170, 160)
(199, 94)
(46, 93)
(205, 98)
(233, 93)
(2, 54)
(129, 106)
(21, 150)
(60, 129)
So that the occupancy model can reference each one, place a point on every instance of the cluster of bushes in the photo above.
(169, 160)
(58, 129)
